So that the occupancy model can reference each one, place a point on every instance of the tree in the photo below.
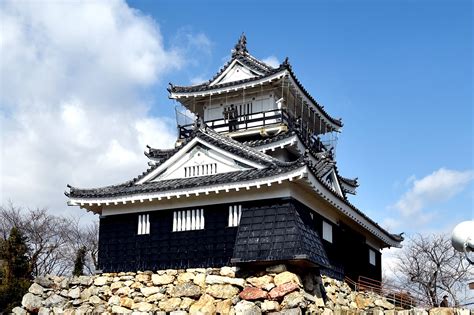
(16, 270)
(79, 262)
(430, 267)
(53, 241)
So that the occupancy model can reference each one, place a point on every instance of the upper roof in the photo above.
(258, 73)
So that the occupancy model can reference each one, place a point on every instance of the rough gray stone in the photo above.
(19, 311)
(44, 281)
(247, 308)
(36, 289)
(74, 293)
(276, 268)
(31, 302)
(185, 289)
(54, 300)
(214, 279)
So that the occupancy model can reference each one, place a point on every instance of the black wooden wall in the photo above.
(277, 229)
(121, 249)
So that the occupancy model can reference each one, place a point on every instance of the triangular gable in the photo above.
(331, 179)
(235, 71)
(199, 158)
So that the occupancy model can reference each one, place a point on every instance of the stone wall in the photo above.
(203, 291)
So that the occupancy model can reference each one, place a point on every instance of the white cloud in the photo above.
(440, 186)
(72, 107)
(272, 61)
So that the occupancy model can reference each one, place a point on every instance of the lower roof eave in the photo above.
(90, 202)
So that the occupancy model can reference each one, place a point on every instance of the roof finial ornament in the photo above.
(241, 46)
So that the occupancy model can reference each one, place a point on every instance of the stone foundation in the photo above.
(206, 291)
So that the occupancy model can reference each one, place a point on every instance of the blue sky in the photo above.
(83, 90)
(399, 73)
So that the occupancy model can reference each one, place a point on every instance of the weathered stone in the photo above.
(205, 305)
(200, 279)
(292, 300)
(185, 277)
(162, 279)
(222, 291)
(269, 306)
(228, 272)
(223, 307)
(361, 301)
(147, 291)
(143, 277)
(114, 300)
(136, 285)
(260, 282)
(169, 305)
(251, 294)
(155, 297)
(74, 293)
(327, 311)
(85, 280)
(143, 307)
(120, 310)
(214, 279)
(126, 302)
(316, 300)
(116, 285)
(123, 291)
(44, 311)
(291, 311)
(99, 281)
(385, 304)
(286, 277)
(282, 290)
(276, 268)
(440, 311)
(247, 308)
(185, 289)
(31, 302)
(186, 303)
(19, 311)
(85, 294)
(44, 281)
(95, 300)
(36, 289)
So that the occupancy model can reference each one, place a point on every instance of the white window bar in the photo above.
(143, 224)
(327, 231)
(235, 212)
(188, 220)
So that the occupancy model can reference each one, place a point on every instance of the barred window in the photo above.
(188, 220)
(200, 170)
(235, 212)
(143, 224)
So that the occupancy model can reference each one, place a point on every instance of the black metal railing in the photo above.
(258, 120)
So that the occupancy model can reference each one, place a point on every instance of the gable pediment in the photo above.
(199, 158)
(236, 71)
(331, 179)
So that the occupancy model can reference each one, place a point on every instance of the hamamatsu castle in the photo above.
(252, 180)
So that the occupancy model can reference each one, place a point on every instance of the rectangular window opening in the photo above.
(327, 232)
(143, 224)
(372, 259)
(235, 212)
(188, 220)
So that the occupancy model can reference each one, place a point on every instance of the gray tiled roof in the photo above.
(131, 188)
